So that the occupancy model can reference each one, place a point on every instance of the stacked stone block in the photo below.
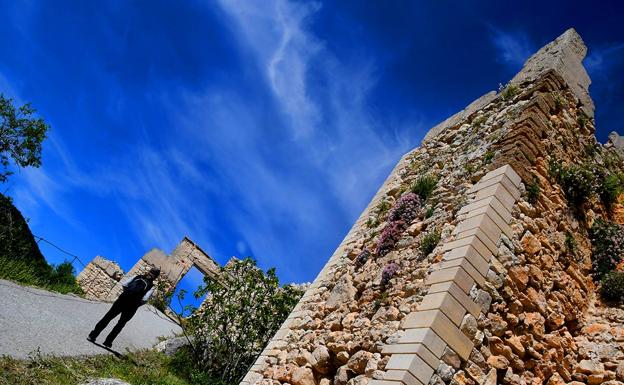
(436, 324)
(99, 278)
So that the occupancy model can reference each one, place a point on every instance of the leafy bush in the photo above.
(429, 242)
(612, 286)
(424, 186)
(389, 236)
(242, 311)
(405, 209)
(429, 212)
(533, 191)
(388, 272)
(607, 241)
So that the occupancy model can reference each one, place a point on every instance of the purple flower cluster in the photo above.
(607, 240)
(361, 259)
(388, 272)
(389, 236)
(405, 209)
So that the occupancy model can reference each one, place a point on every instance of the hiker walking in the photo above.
(136, 291)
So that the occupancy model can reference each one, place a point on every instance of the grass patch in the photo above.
(139, 368)
(60, 280)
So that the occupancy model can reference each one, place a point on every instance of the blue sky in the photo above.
(256, 128)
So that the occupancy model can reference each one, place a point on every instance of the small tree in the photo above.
(242, 311)
(21, 136)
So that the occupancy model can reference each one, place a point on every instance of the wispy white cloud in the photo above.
(599, 58)
(287, 165)
(513, 47)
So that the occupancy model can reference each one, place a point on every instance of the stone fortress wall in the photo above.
(501, 298)
(100, 278)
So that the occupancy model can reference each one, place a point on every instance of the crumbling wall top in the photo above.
(565, 56)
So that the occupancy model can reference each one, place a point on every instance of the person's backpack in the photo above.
(136, 288)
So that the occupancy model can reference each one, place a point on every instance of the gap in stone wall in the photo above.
(190, 282)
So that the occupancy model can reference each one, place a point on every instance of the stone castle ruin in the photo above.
(100, 278)
(483, 277)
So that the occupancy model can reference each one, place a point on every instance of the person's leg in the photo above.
(126, 314)
(112, 313)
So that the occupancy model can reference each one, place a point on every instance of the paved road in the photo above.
(58, 324)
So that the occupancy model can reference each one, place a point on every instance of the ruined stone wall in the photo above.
(99, 277)
(502, 297)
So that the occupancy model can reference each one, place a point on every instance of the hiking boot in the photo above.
(91, 338)
(107, 344)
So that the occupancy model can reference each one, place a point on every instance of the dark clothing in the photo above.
(127, 304)
(122, 306)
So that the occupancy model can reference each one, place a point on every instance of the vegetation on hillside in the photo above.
(21, 138)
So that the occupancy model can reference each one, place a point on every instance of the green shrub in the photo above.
(429, 212)
(488, 156)
(577, 182)
(582, 119)
(610, 189)
(382, 208)
(612, 286)
(607, 241)
(570, 243)
(424, 186)
(533, 191)
(429, 242)
(558, 101)
(469, 168)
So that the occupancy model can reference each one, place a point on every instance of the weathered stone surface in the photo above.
(321, 360)
(303, 376)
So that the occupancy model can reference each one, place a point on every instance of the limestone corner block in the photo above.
(402, 376)
(426, 337)
(411, 363)
(419, 349)
(446, 303)
(454, 274)
(443, 327)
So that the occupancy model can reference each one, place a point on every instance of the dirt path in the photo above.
(32, 319)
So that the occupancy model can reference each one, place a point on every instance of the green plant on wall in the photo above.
(509, 91)
(612, 286)
(424, 186)
(429, 242)
(533, 191)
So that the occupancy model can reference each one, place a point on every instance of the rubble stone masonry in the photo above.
(501, 298)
